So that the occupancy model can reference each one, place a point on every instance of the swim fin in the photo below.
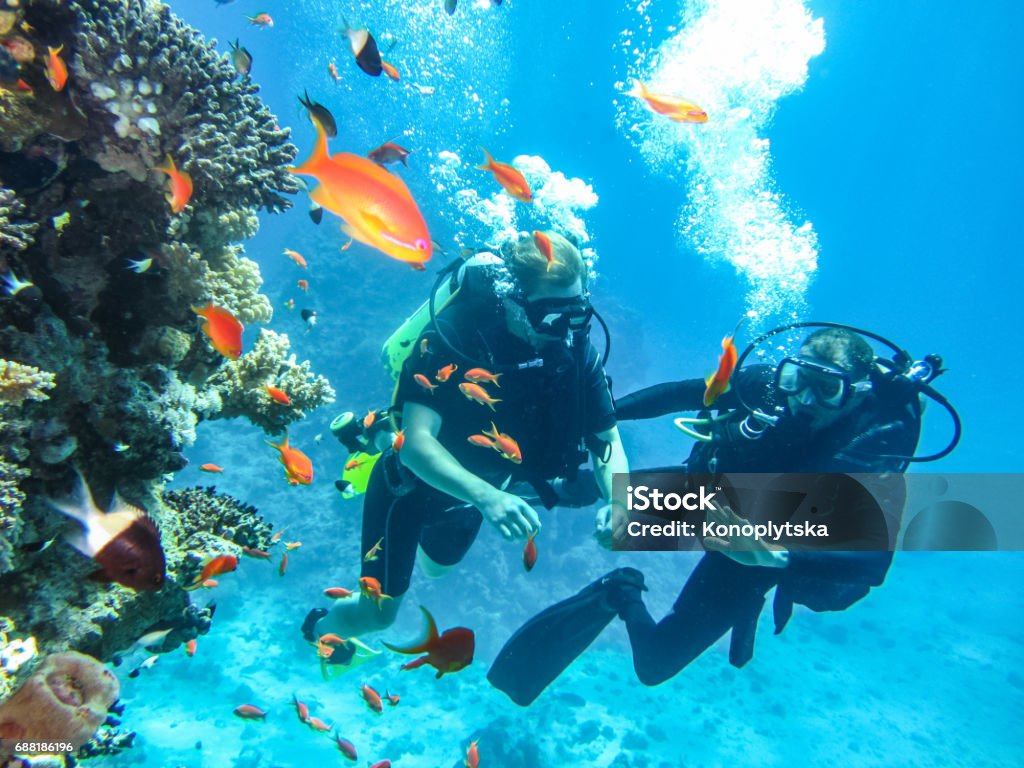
(552, 640)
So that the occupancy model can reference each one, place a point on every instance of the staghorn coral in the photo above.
(15, 233)
(65, 700)
(240, 384)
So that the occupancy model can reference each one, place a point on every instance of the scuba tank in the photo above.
(400, 343)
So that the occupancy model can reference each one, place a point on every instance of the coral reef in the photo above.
(16, 658)
(100, 277)
(240, 384)
(18, 383)
(207, 523)
(65, 700)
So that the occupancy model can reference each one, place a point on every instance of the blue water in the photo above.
(889, 193)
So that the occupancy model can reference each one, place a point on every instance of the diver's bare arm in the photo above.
(617, 462)
(610, 523)
(424, 455)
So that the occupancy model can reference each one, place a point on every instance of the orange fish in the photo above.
(478, 393)
(319, 725)
(505, 445)
(543, 243)
(529, 554)
(392, 698)
(374, 552)
(217, 566)
(480, 375)
(424, 346)
(674, 108)
(257, 554)
(424, 382)
(346, 747)
(369, 419)
(283, 567)
(56, 69)
(298, 469)
(446, 653)
(303, 285)
(290, 545)
(390, 71)
(446, 373)
(472, 756)
(398, 442)
(296, 257)
(278, 395)
(718, 382)
(249, 712)
(222, 329)
(332, 639)
(300, 709)
(481, 440)
(190, 648)
(212, 468)
(181, 185)
(337, 593)
(354, 463)
(370, 588)
(277, 536)
(210, 584)
(372, 699)
(377, 208)
(510, 179)
(261, 20)
(333, 70)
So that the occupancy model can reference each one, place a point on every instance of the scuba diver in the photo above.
(832, 408)
(502, 386)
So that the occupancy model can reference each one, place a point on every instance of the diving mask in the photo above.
(813, 382)
(556, 317)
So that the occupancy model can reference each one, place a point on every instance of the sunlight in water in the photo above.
(736, 61)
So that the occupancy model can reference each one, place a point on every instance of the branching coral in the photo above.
(19, 383)
(15, 233)
(241, 384)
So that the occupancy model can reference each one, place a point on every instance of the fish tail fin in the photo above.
(421, 646)
(496, 377)
(490, 162)
(491, 404)
(319, 155)
(168, 167)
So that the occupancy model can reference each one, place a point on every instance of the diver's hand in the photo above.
(513, 517)
(610, 525)
(745, 550)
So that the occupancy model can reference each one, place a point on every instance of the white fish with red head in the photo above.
(123, 540)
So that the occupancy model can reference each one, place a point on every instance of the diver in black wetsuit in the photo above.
(520, 366)
(830, 409)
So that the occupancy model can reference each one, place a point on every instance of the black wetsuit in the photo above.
(722, 595)
(547, 408)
